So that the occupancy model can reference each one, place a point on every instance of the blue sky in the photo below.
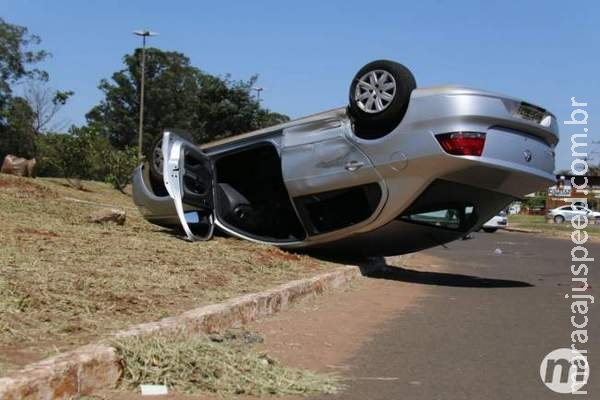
(306, 52)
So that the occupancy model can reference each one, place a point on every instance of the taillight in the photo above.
(462, 143)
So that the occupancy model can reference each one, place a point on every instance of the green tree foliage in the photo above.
(84, 153)
(22, 118)
(74, 156)
(16, 60)
(16, 57)
(177, 96)
(535, 203)
(46, 104)
(16, 135)
(119, 166)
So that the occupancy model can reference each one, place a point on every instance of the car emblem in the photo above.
(527, 155)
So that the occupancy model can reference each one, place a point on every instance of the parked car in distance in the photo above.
(566, 213)
(498, 221)
(514, 208)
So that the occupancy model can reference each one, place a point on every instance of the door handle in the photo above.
(354, 165)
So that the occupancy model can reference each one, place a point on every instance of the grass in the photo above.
(65, 282)
(538, 222)
(193, 364)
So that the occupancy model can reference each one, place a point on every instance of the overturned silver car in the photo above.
(398, 170)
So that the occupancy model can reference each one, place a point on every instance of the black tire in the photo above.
(379, 117)
(490, 230)
(156, 159)
(559, 219)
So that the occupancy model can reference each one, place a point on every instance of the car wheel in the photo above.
(156, 157)
(490, 230)
(559, 219)
(379, 97)
(157, 160)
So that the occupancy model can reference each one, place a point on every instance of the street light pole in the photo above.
(258, 90)
(144, 35)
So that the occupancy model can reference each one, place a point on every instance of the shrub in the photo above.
(120, 165)
(83, 153)
(535, 203)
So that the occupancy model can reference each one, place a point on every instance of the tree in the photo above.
(45, 104)
(82, 153)
(16, 135)
(535, 203)
(21, 118)
(225, 108)
(16, 57)
(177, 96)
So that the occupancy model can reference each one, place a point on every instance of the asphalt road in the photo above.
(484, 327)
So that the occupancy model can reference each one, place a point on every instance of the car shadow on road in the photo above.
(383, 271)
(377, 268)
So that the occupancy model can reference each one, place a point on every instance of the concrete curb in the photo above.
(522, 230)
(93, 367)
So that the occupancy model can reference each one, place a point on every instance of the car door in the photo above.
(323, 171)
(567, 212)
(584, 211)
(189, 176)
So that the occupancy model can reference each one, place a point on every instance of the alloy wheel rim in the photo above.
(375, 91)
(158, 158)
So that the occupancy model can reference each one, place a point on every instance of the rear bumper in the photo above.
(447, 108)
(496, 222)
(517, 159)
(520, 148)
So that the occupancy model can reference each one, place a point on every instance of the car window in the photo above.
(449, 218)
(442, 218)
